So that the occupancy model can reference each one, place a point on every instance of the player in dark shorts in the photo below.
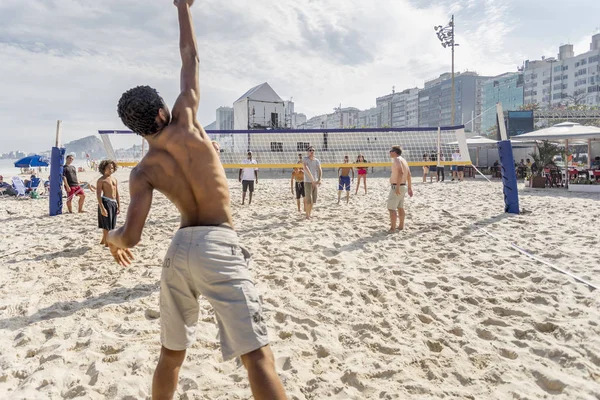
(344, 181)
(297, 185)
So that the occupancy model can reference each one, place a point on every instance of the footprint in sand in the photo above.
(545, 327)
(436, 347)
(507, 312)
(549, 384)
(485, 334)
(433, 261)
(152, 314)
(511, 355)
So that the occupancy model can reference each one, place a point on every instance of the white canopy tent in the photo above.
(478, 142)
(564, 131)
(569, 132)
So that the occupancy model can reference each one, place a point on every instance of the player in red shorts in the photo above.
(72, 185)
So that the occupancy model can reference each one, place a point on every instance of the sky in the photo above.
(72, 59)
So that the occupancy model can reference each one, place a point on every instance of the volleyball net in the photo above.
(281, 149)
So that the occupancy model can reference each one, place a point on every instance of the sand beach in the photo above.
(441, 310)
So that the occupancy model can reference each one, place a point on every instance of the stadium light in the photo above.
(445, 34)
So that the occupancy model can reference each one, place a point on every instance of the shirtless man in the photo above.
(205, 256)
(399, 180)
(344, 180)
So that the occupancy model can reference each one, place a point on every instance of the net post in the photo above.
(56, 170)
(439, 146)
(509, 172)
(500, 120)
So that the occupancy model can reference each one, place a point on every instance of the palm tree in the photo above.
(545, 154)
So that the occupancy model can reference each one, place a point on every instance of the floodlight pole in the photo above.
(446, 35)
(453, 93)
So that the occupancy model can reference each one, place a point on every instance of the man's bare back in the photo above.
(182, 165)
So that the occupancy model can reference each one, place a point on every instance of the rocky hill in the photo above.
(91, 145)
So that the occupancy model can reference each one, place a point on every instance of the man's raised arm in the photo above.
(186, 105)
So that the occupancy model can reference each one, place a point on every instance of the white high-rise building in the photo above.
(298, 121)
(401, 109)
(224, 118)
(566, 80)
(370, 118)
(288, 111)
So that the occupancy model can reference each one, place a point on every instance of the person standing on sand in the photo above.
(362, 173)
(426, 168)
(312, 180)
(205, 257)
(247, 177)
(460, 168)
(401, 183)
(344, 180)
(72, 185)
(298, 179)
(109, 204)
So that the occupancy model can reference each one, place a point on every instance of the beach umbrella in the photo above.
(32, 161)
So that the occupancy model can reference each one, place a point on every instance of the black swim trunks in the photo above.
(110, 221)
(248, 185)
(299, 190)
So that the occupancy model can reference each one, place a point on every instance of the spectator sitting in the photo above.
(29, 184)
(596, 163)
(495, 168)
(6, 188)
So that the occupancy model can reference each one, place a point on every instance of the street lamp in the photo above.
(446, 35)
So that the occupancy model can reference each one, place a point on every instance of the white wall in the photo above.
(240, 115)
(262, 112)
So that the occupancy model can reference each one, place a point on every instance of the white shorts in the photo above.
(209, 261)
(396, 201)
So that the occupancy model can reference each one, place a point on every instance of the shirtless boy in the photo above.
(205, 257)
(400, 184)
(344, 180)
(298, 179)
(109, 204)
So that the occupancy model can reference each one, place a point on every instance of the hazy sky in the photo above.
(72, 59)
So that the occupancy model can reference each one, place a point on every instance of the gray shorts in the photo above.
(310, 192)
(209, 261)
(396, 200)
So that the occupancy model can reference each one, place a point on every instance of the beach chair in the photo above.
(19, 186)
(35, 185)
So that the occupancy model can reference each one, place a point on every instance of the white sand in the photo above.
(438, 311)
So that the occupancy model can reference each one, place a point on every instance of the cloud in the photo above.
(72, 59)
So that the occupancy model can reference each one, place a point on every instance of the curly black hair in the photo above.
(106, 163)
(138, 108)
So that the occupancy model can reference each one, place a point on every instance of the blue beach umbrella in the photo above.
(32, 161)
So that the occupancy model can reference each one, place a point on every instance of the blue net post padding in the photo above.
(509, 177)
(56, 181)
